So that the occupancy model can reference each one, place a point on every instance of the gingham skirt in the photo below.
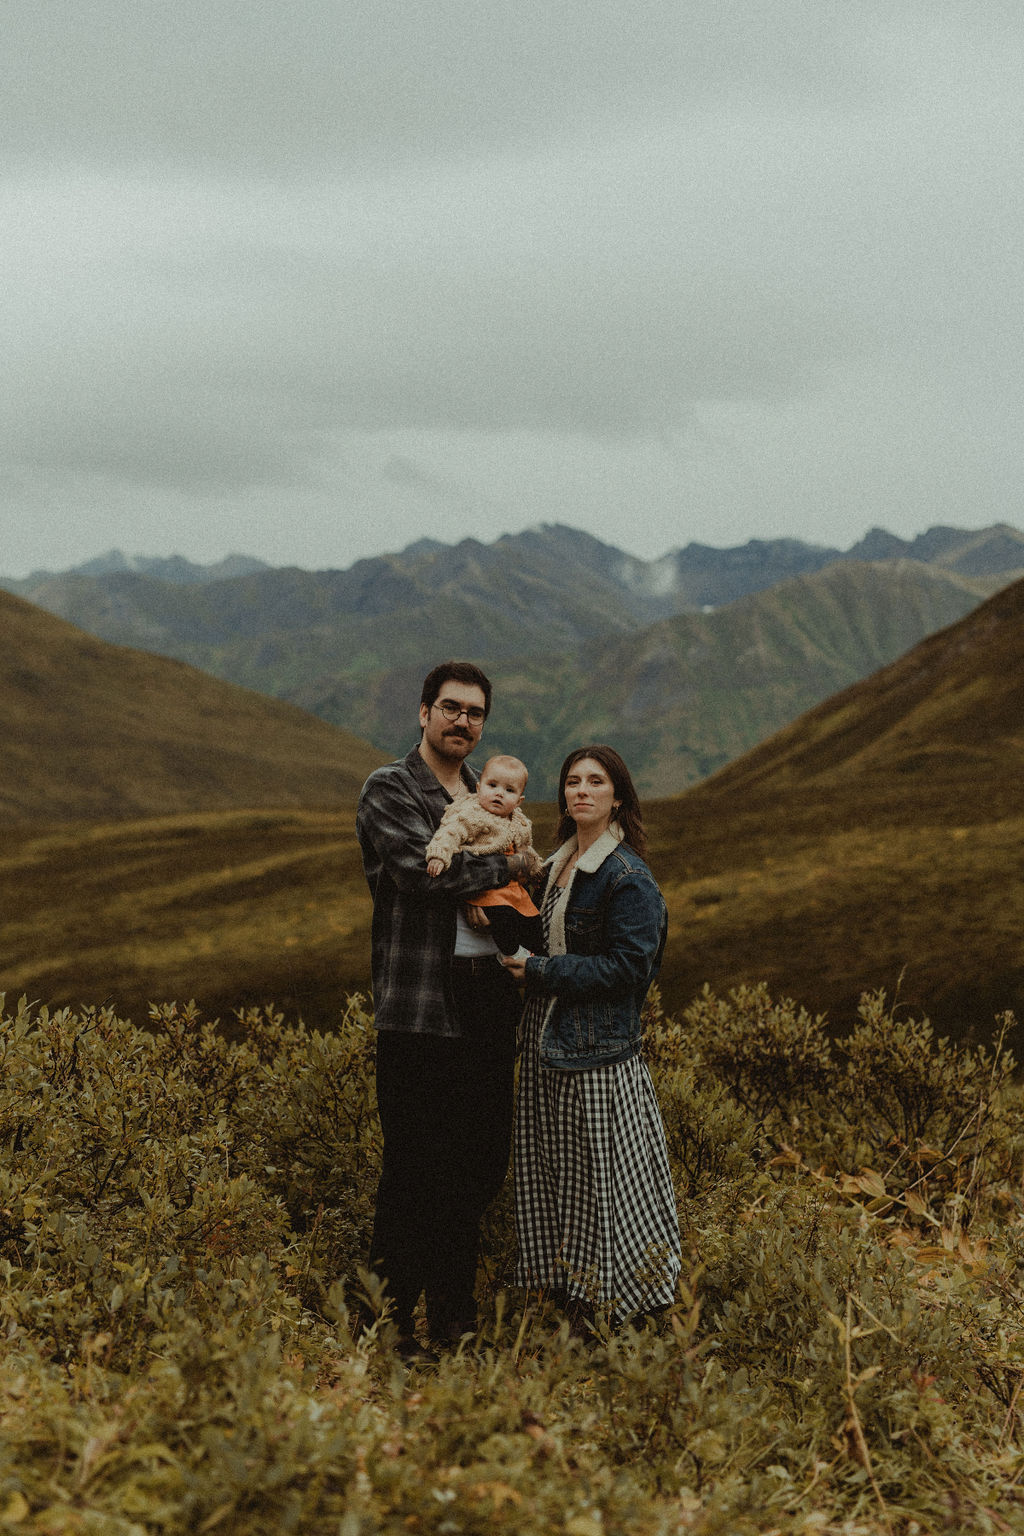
(595, 1206)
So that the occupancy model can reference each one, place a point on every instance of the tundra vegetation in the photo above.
(183, 1212)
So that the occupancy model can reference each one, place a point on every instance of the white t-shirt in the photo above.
(469, 942)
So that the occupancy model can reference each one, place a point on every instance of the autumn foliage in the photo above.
(184, 1209)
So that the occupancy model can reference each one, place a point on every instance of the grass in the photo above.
(232, 908)
(96, 731)
(877, 841)
(789, 894)
(820, 896)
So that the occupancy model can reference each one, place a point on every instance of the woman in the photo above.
(595, 1208)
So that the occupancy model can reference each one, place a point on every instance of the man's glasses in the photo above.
(453, 712)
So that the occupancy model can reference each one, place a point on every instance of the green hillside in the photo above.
(682, 697)
(581, 639)
(688, 695)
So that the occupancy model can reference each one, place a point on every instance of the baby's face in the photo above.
(500, 789)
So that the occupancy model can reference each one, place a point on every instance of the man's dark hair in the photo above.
(458, 672)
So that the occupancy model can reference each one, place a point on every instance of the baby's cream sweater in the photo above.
(466, 824)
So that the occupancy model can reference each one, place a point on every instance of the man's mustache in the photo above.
(461, 734)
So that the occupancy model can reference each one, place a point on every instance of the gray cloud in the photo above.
(751, 269)
(220, 82)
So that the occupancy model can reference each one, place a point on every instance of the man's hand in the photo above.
(435, 867)
(522, 865)
(516, 968)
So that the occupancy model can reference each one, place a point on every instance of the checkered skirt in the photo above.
(595, 1206)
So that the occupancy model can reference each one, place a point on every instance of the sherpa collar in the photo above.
(593, 858)
(588, 863)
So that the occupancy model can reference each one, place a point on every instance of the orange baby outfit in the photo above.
(511, 895)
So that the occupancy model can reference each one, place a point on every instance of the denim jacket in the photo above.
(605, 952)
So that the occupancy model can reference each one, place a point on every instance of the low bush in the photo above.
(184, 1212)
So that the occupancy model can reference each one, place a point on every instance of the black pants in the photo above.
(511, 929)
(446, 1112)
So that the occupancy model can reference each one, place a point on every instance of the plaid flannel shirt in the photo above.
(414, 915)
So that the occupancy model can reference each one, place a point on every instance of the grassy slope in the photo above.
(89, 729)
(882, 831)
(822, 905)
(241, 908)
(229, 908)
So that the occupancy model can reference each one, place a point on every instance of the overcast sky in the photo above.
(310, 280)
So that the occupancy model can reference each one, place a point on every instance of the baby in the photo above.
(491, 822)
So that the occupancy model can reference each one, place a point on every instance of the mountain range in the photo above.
(172, 568)
(684, 662)
(876, 841)
(695, 577)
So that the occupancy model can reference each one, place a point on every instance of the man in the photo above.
(446, 1014)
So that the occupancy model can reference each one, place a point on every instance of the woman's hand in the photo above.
(476, 917)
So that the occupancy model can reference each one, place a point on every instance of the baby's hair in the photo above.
(507, 761)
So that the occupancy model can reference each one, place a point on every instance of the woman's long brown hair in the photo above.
(628, 815)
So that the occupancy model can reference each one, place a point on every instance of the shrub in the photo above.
(773, 1057)
(183, 1213)
(314, 1138)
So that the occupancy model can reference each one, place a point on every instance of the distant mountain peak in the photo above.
(424, 546)
(174, 569)
(103, 565)
(878, 544)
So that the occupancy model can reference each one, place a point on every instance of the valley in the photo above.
(875, 841)
(686, 661)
